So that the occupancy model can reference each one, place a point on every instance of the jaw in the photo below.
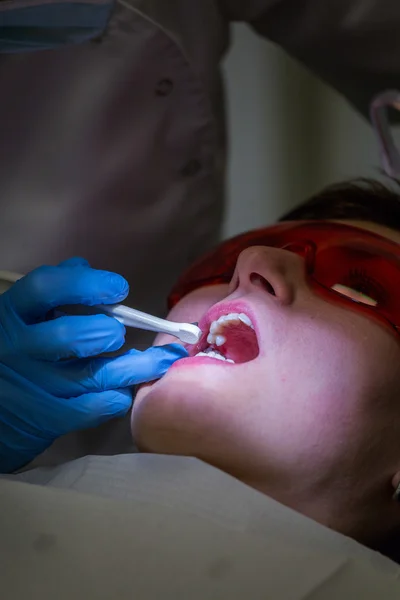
(197, 390)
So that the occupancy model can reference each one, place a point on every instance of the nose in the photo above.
(275, 271)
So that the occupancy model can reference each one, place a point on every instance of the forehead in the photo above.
(390, 234)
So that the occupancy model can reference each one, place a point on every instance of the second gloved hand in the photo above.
(51, 382)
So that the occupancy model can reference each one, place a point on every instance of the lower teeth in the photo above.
(217, 355)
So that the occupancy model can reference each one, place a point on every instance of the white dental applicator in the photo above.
(186, 332)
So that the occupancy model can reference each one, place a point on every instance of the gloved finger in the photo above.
(134, 367)
(75, 261)
(72, 337)
(93, 409)
(71, 378)
(48, 287)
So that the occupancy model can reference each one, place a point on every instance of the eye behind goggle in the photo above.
(353, 294)
(358, 274)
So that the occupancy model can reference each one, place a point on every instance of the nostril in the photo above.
(260, 281)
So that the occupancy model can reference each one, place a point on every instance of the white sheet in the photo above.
(152, 527)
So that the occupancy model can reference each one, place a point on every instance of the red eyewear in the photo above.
(337, 258)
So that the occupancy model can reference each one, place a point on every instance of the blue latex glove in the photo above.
(51, 381)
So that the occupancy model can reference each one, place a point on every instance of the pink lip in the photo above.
(222, 308)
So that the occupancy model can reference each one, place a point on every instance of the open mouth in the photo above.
(230, 338)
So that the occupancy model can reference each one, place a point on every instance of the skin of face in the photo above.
(313, 421)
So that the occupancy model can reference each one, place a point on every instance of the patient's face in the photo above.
(309, 406)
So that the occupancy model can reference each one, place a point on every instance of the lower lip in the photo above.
(200, 360)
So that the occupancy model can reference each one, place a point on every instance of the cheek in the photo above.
(329, 373)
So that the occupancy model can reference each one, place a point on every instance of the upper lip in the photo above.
(222, 308)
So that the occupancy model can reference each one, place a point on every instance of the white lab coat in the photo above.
(115, 150)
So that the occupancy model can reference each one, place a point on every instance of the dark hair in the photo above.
(359, 199)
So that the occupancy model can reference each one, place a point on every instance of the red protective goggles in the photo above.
(347, 265)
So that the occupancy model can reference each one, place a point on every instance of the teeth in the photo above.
(216, 337)
(216, 326)
(219, 340)
(226, 318)
(217, 355)
(245, 319)
(216, 340)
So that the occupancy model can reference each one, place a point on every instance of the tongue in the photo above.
(241, 343)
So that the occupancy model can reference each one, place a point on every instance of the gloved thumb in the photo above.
(136, 367)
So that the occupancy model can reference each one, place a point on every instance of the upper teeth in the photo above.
(215, 336)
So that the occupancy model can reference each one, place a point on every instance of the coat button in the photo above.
(192, 168)
(164, 87)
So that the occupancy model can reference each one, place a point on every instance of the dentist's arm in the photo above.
(354, 45)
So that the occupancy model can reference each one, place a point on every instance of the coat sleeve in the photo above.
(353, 45)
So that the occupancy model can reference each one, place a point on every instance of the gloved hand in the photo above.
(51, 381)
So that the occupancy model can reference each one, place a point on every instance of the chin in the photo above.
(180, 413)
